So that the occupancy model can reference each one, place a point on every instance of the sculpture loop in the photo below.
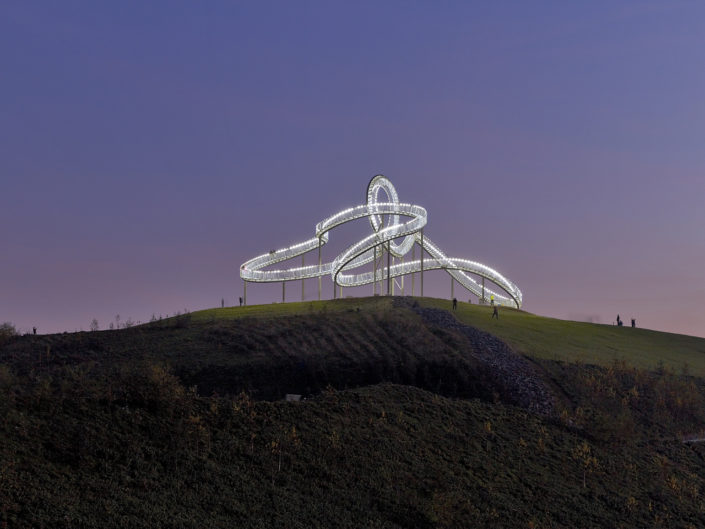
(364, 251)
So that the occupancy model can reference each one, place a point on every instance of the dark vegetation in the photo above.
(180, 423)
(269, 358)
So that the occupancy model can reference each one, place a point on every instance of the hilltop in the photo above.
(414, 417)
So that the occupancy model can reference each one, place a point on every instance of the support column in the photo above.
(394, 283)
(283, 291)
(422, 262)
(402, 276)
(319, 269)
(302, 280)
(413, 260)
(389, 276)
(374, 272)
(483, 290)
(341, 291)
(244, 295)
(452, 284)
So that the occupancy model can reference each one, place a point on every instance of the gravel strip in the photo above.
(519, 377)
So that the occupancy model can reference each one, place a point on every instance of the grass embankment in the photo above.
(300, 349)
(147, 426)
(570, 341)
(296, 308)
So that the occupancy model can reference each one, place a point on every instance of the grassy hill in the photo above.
(181, 423)
(554, 339)
(529, 334)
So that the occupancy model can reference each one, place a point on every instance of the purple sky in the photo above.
(147, 150)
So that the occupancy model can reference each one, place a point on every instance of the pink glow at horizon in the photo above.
(146, 151)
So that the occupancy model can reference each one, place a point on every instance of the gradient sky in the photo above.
(147, 149)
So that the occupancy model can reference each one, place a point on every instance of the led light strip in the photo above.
(363, 251)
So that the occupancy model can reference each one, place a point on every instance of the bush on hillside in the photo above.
(7, 331)
(621, 403)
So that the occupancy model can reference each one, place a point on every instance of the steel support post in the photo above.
(302, 280)
(394, 283)
(413, 260)
(374, 273)
(283, 291)
(389, 276)
(402, 276)
(483, 290)
(422, 262)
(244, 294)
(319, 269)
(452, 284)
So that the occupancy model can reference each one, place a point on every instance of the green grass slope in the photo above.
(529, 334)
(296, 308)
(571, 341)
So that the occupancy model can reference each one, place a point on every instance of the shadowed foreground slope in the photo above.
(148, 427)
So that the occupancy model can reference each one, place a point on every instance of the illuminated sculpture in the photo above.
(371, 249)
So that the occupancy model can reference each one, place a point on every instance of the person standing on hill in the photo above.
(495, 314)
(455, 304)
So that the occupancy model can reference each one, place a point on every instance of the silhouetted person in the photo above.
(633, 323)
(241, 301)
(495, 314)
(455, 304)
(34, 330)
(619, 322)
(222, 303)
(470, 301)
